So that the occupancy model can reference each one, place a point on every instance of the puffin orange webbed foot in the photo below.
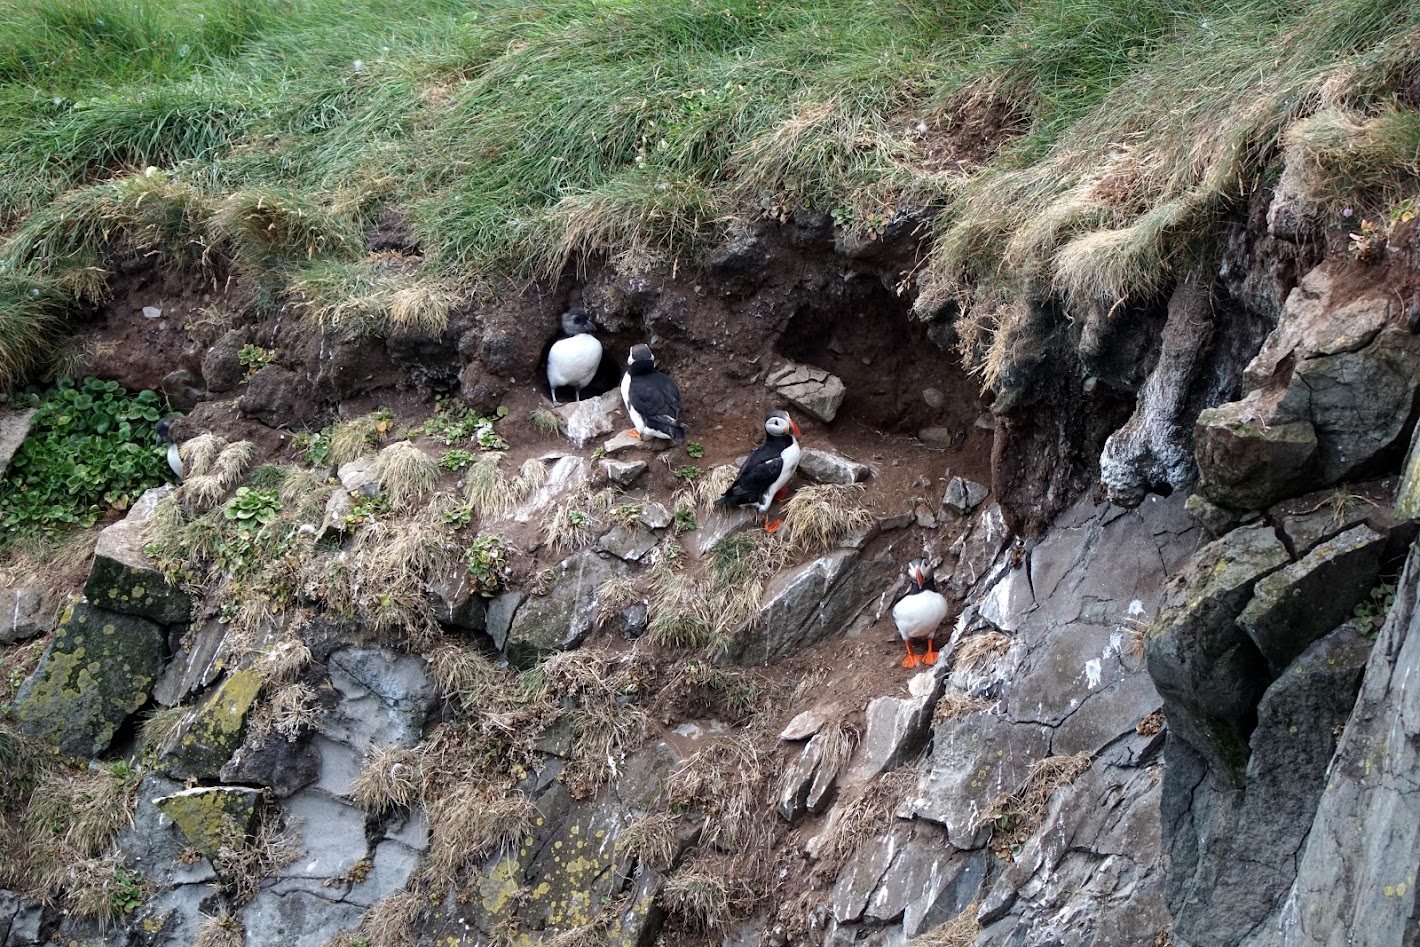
(634, 433)
(772, 527)
(783, 492)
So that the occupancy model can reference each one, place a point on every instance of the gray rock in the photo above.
(963, 496)
(198, 663)
(384, 699)
(221, 368)
(211, 817)
(456, 604)
(941, 437)
(719, 525)
(276, 763)
(1314, 323)
(125, 579)
(212, 731)
(14, 428)
(358, 477)
(297, 918)
(624, 442)
(859, 878)
(26, 611)
(810, 603)
(563, 617)
(183, 389)
(153, 844)
(738, 263)
(1208, 672)
(1298, 604)
(1217, 520)
(814, 719)
(1248, 458)
(655, 516)
(1354, 879)
(500, 617)
(590, 417)
(804, 787)
(934, 397)
(630, 622)
(629, 543)
(99, 668)
(823, 466)
(567, 474)
(22, 921)
(816, 391)
(279, 397)
(898, 727)
(623, 472)
(332, 836)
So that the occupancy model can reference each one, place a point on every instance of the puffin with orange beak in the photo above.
(919, 612)
(763, 476)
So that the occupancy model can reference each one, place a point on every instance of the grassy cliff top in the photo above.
(1085, 149)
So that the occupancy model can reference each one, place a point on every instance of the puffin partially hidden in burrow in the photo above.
(163, 435)
(764, 474)
(919, 612)
(652, 399)
(573, 359)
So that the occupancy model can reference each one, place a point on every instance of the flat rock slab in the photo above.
(897, 727)
(623, 472)
(563, 617)
(26, 611)
(590, 417)
(125, 579)
(384, 699)
(99, 668)
(624, 442)
(818, 392)
(629, 543)
(962, 495)
(202, 657)
(823, 466)
(14, 428)
(212, 816)
(212, 731)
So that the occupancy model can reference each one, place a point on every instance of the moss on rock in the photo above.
(212, 816)
(212, 732)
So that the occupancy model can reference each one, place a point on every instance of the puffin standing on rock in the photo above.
(652, 399)
(573, 359)
(765, 473)
(163, 435)
(919, 612)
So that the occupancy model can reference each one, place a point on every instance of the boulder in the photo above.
(212, 731)
(358, 477)
(221, 367)
(14, 428)
(499, 618)
(628, 543)
(125, 579)
(26, 611)
(212, 816)
(563, 617)
(280, 765)
(823, 466)
(199, 660)
(590, 417)
(279, 397)
(455, 603)
(623, 472)
(1209, 673)
(962, 495)
(816, 391)
(1314, 324)
(805, 785)
(814, 719)
(624, 441)
(1216, 519)
(99, 668)
(1249, 460)
(183, 389)
(1296, 605)
(898, 727)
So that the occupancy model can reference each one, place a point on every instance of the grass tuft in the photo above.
(819, 517)
(407, 475)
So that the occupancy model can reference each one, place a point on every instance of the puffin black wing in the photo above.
(657, 400)
(756, 476)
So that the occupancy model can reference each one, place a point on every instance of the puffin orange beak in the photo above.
(797, 432)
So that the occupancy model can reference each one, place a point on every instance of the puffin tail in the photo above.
(678, 431)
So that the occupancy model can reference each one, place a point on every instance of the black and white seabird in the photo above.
(918, 613)
(763, 475)
(573, 359)
(651, 397)
(163, 435)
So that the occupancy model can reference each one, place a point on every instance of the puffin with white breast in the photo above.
(163, 435)
(764, 474)
(651, 397)
(918, 613)
(573, 359)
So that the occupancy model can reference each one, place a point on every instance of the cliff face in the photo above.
(634, 719)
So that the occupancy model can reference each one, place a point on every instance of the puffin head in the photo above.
(779, 424)
(917, 572)
(161, 434)
(641, 354)
(577, 321)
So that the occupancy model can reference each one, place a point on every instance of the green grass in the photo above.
(527, 138)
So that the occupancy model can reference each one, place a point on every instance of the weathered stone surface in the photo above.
(297, 918)
(125, 579)
(974, 761)
(813, 720)
(897, 727)
(623, 472)
(278, 397)
(1296, 605)
(26, 611)
(98, 669)
(590, 417)
(977, 551)
(629, 543)
(1154, 447)
(567, 474)
(384, 700)
(212, 732)
(805, 785)
(154, 845)
(823, 466)
(810, 603)
(1229, 873)
(1208, 672)
(963, 496)
(1407, 496)
(1314, 324)
(212, 816)
(1248, 462)
(500, 616)
(14, 428)
(221, 367)
(23, 921)
(623, 442)
(1356, 877)
(818, 392)
(455, 602)
(332, 836)
(655, 516)
(563, 617)
(358, 476)
(1217, 520)
(720, 524)
(202, 657)
(279, 764)
(1309, 520)
(928, 883)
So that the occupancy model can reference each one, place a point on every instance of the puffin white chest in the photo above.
(789, 458)
(919, 614)
(572, 362)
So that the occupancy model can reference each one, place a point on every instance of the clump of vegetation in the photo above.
(407, 475)
(1015, 816)
(355, 437)
(254, 358)
(487, 559)
(819, 517)
(91, 449)
(454, 422)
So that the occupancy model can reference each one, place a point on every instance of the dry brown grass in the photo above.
(467, 676)
(1017, 815)
(860, 820)
(220, 930)
(488, 490)
(712, 889)
(243, 862)
(470, 822)
(726, 782)
(356, 437)
(819, 517)
(407, 475)
(391, 778)
(979, 651)
(207, 485)
(960, 931)
(595, 681)
(393, 921)
(651, 840)
(288, 711)
(955, 704)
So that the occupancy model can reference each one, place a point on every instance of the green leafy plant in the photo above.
(455, 459)
(684, 521)
(459, 516)
(687, 473)
(254, 358)
(90, 449)
(1372, 610)
(627, 514)
(315, 447)
(127, 894)
(488, 564)
(453, 421)
(695, 449)
(366, 509)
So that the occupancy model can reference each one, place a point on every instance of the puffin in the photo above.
(763, 475)
(918, 613)
(163, 435)
(651, 397)
(573, 359)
